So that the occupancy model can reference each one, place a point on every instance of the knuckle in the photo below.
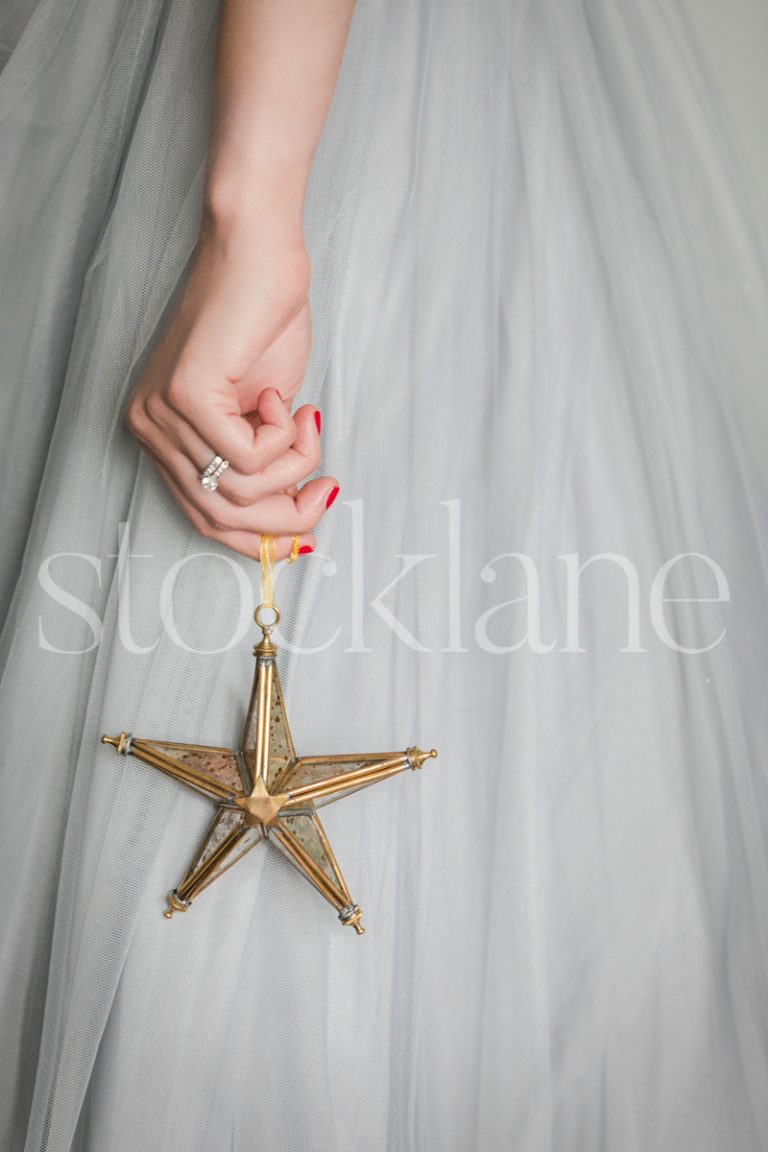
(134, 418)
(153, 407)
(208, 518)
(177, 392)
(312, 459)
(215, 524)
(132, 414)
(232, 494)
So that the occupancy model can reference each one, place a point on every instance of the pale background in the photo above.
(733, 35)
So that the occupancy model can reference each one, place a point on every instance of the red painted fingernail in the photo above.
(305, 548)
(318, 420)
(332, 496)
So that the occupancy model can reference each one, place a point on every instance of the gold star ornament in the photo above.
(264, 791)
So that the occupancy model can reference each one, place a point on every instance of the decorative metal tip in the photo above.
(351, 915)
(176, 903)
(122, 742)
(416, 757)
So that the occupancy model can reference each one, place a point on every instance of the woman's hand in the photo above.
(239, 339)
(220, 382)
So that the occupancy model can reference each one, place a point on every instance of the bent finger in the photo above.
(246, 543)
(217, 420)
(285, 473)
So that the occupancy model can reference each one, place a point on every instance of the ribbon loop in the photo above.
(267, 557)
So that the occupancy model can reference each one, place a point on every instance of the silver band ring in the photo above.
(209, 477)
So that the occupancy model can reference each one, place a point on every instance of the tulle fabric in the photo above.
(539, 309)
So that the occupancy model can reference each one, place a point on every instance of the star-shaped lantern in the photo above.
(264, 791)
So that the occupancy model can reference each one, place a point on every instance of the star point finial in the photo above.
(122, 742)
(417, 757)
(351, 915)
(176, 903)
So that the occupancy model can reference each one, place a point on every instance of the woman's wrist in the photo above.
(249, 242)
(246, 194)
(256, 220)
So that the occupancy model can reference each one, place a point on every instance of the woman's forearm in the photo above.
(276, 67)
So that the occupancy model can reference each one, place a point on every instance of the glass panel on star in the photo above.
(250, 838)
(224, 823)
(281, 751)
(309, 832)
(219, 764)
(316, 770)
(306, 831)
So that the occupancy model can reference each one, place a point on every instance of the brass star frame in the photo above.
(264, 791)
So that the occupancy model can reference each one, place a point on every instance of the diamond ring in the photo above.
(209, 477)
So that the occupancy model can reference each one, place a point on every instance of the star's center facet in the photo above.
(260, 807)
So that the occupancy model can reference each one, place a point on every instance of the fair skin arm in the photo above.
(233, 355)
